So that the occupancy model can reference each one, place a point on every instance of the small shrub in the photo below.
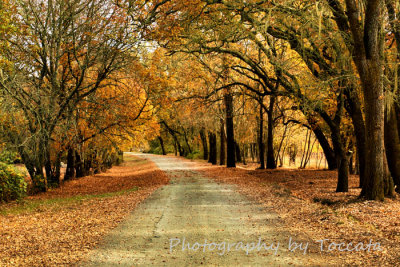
(12, 183)
(10, 157)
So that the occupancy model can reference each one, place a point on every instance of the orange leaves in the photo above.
(68, 221)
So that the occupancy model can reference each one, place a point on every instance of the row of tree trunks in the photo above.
(95, 162)
(177, 144)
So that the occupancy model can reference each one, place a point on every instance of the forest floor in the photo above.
(59, 227)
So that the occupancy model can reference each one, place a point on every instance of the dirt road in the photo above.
(194, 221)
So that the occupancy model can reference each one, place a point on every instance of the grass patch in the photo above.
(39, 205)
(134, 161)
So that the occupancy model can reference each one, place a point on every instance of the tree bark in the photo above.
(237, 152)
(162, 145)
(353, 107)
(326, 147)
(260, 139)
(230, 138)
(204, 142)
(343, 175)
(222, 151)
(271, 164)
(368, 42)
(213, 148)
(392, 146)
(70, 171)
(79, 169)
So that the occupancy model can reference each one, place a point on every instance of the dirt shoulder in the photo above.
(59, 227)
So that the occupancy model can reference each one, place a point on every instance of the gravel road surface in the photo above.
(194, 221)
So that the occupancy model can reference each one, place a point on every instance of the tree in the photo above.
(368, 40)
(64, 52)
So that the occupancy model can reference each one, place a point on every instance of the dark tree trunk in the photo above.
(271, 164)
(79, 169)
(180, 149)
(326, 147)
(237, 152)
(53, 173)
(175, 148)
(343, 175)
(368, 41)
(52, 169)
(244, 154)
(177, 144)
(353, 107)
(341, 157)
(187, 143)
(351, 165)
(35, 170)
(70, 171)
(392, 146)
(230, 138)
(204, 142)
(212, 138)
(252, 152)
(261, 152)
(162, 145)
(222, 138)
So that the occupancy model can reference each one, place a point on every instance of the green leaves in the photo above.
(12, 183)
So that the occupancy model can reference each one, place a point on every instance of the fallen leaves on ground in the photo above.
(63, 236)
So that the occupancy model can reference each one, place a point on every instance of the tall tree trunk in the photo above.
(252, 152)
(204, 142)
(351, 165)
(230, 138)
(392, 146)
(187, 142)
(353, 107)
(35, 171)
(368, 43)
(79, 169)
(326, 147)
(222, 151)
(244, 154)
(175, 148)
(237, 152)
(212, 138)
(70, 171)
(341, 157)
(343, 174)
(271, 164)
(260, 139)
(162, 145)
